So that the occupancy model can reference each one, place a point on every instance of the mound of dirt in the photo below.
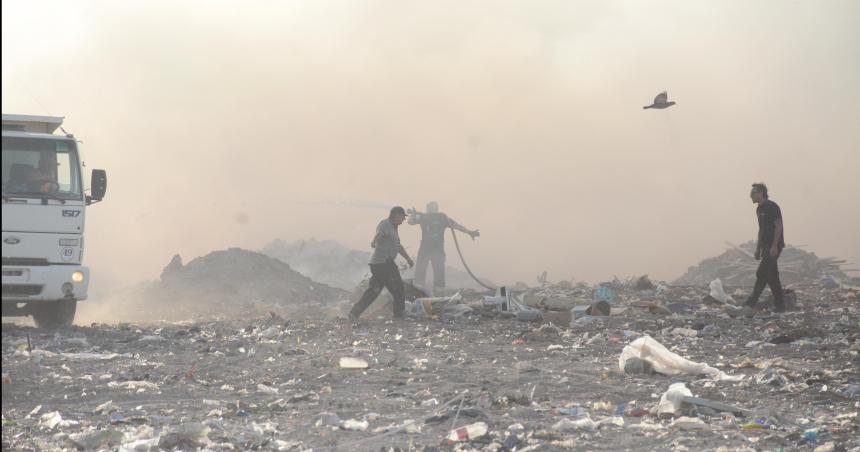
(223, 283)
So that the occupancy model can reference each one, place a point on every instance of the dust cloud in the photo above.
(230, 124)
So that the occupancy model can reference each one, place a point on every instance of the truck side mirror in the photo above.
(98, 186)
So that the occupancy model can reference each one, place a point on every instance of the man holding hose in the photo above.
(432, 250)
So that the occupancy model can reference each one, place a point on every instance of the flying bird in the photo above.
(661, 101)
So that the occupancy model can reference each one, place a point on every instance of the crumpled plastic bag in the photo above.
(718, 293)
(671, 400)
(668, 363)
(432, 306)
(567, 425)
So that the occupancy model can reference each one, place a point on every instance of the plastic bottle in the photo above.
(501, 301)
(573, 411)
(468, 432)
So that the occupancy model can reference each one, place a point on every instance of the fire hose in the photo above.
(466, 266)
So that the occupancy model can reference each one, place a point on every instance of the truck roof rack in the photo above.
(31, 123)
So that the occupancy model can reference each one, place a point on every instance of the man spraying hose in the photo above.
(432, 250)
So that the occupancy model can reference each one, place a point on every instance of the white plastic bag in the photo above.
(717, 292)
(667, 363)
(353, 363)
(567, 425)
(438, 305)
(671, 400)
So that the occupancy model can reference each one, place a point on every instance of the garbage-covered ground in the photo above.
(279, 380)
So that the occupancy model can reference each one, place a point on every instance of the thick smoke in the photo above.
(236, 123)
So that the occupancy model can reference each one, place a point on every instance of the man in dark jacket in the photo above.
(770, 243)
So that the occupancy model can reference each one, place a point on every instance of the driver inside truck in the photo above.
(44, 178)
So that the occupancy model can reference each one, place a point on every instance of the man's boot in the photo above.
(778, 304)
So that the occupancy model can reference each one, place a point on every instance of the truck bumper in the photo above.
(44, 283)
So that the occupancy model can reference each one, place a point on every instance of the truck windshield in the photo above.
(36, 168)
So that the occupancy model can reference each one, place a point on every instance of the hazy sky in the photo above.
(233, 123)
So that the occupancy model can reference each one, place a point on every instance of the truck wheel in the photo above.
(55, 315)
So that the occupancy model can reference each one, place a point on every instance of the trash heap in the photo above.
(565, 304)
(224, 283)
(562, 303)
(630, 364)
(737, 267)
(688, 376)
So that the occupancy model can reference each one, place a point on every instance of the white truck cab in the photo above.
(44, 207)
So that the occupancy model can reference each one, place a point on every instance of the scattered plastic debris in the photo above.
(352, 424)
(97, 439)
(272, 379)
(468, 432)
(353, 363)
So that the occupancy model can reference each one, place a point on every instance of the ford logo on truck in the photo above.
(12, 240)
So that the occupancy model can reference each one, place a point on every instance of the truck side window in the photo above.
(64, 172)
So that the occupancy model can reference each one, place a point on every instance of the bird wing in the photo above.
(661, 98)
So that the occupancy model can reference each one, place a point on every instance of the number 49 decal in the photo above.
(67, 254)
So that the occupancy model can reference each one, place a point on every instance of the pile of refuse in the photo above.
(568, 305)
(737, 267)
(329, 262)
(685, 376)
(223, 283)
(561, 304)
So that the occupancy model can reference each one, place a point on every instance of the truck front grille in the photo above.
(25, 261)
(19, 290)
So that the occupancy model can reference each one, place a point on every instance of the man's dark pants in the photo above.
(382, 275)
(768, 274)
